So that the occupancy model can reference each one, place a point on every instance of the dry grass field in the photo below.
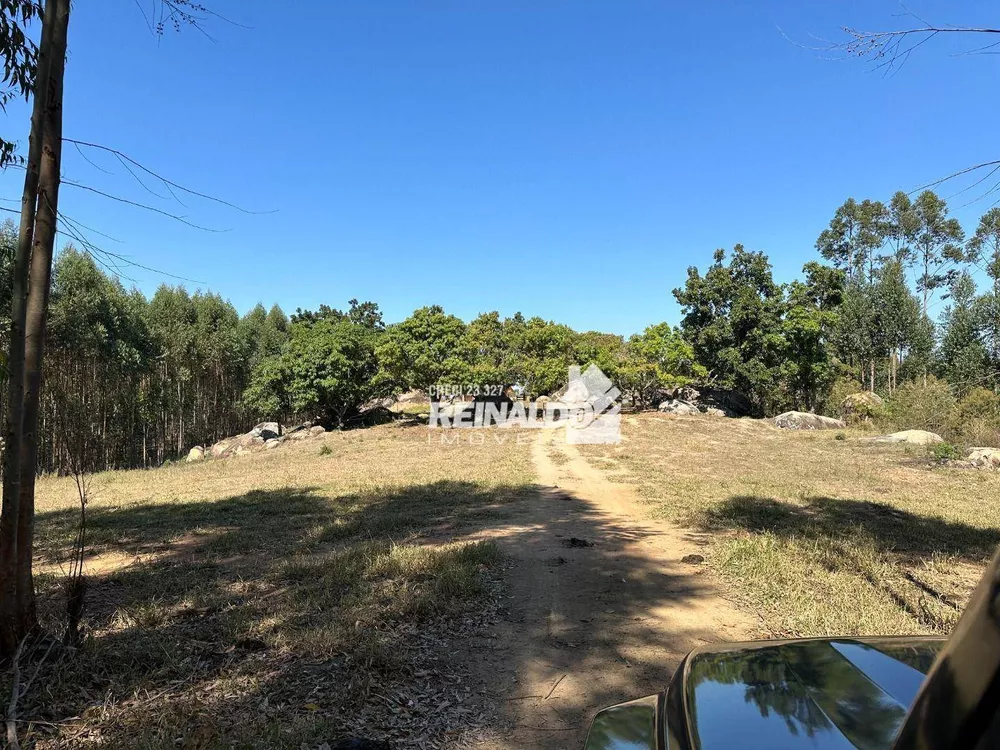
(819, 533)
(277, 599)
(349, 584)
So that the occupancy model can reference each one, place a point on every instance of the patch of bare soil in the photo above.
(603, 604)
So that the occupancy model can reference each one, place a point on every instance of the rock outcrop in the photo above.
(861, 407)
(911, 437)
(679, 408)
(266, 435)
(716, 402)
(805, 420)
(984, 458)
(196, 454)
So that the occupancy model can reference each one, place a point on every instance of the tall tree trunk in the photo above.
(39, 283)
(10, 622)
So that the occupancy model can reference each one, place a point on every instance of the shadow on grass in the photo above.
(287, 618)
(892, 529)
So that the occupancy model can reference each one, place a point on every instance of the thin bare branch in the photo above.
(88, 160)
(953, 175)
(74, 230)
(891, 49)
(143, 206)
(123, 156)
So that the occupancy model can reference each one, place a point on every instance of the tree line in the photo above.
(146, 379)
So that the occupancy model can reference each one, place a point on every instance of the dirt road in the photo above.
(602, 606)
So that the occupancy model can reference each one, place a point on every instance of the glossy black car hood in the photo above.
(815, 693)
(804, 694)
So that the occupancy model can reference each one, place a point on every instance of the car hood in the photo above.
(809, 693)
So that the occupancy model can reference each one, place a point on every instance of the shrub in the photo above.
(975, 419)
(916, 406)
(840, 436)
(863, 408)
(325, 450)
(945, 452)
(842, 387)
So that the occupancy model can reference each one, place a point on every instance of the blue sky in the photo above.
(565, 158)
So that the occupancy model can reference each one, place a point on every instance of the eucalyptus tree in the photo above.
(984, 250)
(903, 227)
(899, 317)
(964, 358)
(855, 234)
(937, 245)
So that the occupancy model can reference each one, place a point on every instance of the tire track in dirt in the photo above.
(602, 607)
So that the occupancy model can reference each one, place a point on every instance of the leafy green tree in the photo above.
(327, 372)
(365, 314)
(262, 334)
(984, 250)
(856, 337)
(904, 226)
(854, 236)
(428, 348)
(491, 346)
(899, 317)
(938, 244)
(733, 320)
(654, 360)
(545, 350)
(809, 322)
(964, 358)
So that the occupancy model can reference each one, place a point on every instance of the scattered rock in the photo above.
(984, 458)
(693, 559)
(682, 393)
(804, 420)
(714, 412)
(266, 430)
(272, 443)
(317, 430)
(733, 403)
(575, 542)
(196, 454)
(679, 408)
(913, 437)
(222, 448)
(412, 397)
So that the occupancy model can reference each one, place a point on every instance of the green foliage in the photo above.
(944, 452)
(325, 450)
(975, 419)
(426, 349)
(546, 351)
(19, 53)
(916, 406)
(854, 236)
(965, 361)
(327, 370)
(651, 361)
(769, 342)
(733, 320)
(842, 387)
(937, 243)
(365, 314)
